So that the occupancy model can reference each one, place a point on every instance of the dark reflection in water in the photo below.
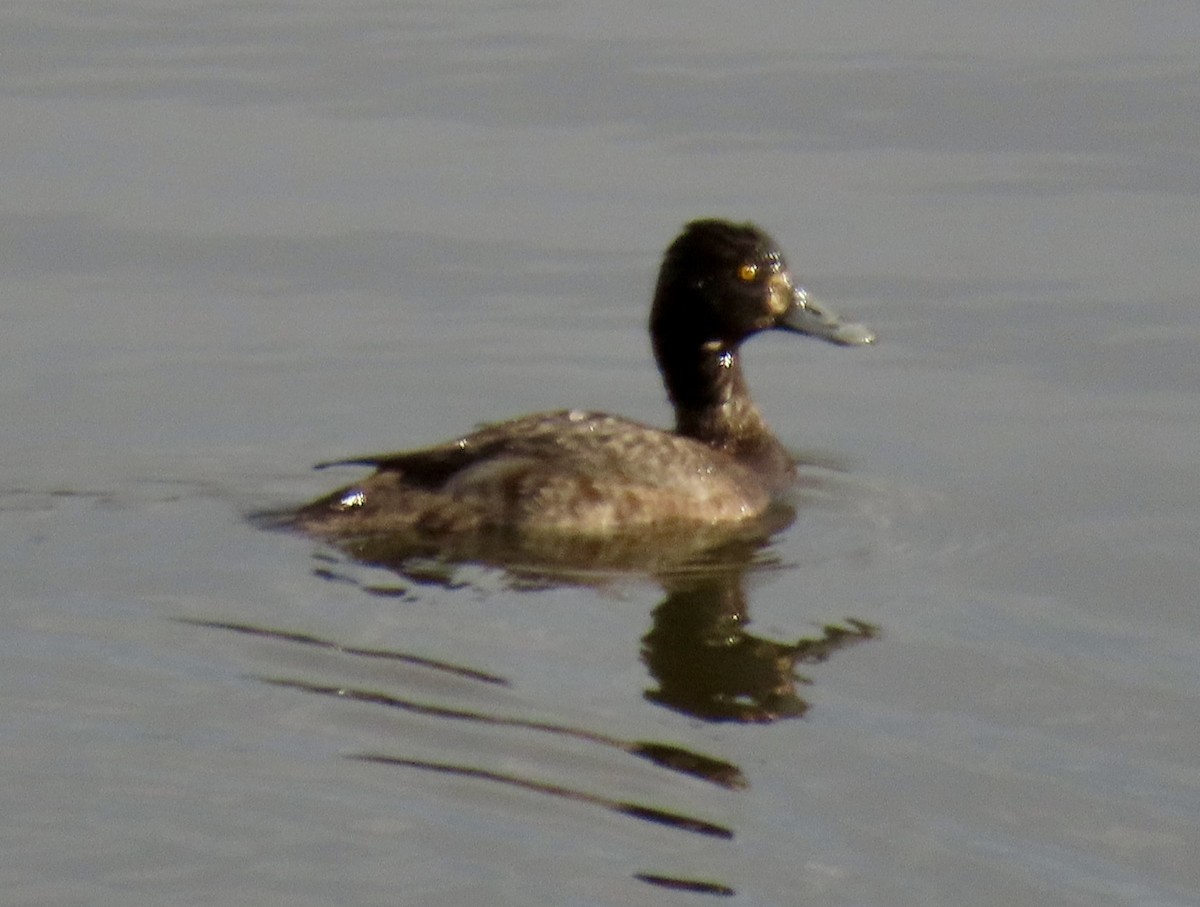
(531, 560)
(704, 662)
(305, 639)
(700, 657)
(708, 666)
(693, 886)
(636, 810)
(673, 757)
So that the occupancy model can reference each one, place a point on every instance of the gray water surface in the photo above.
(236, 240)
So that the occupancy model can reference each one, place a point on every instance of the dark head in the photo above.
(720, 283)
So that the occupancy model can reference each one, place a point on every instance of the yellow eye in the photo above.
(748, 271)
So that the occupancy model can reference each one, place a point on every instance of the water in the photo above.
(238, 240)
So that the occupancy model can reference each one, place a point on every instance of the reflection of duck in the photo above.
(707, 665)
(584, 474)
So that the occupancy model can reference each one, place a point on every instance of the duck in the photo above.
(590, 475)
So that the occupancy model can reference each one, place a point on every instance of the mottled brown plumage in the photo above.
(584, 474)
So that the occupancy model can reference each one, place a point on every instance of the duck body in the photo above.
(576, 473)
(569, 471)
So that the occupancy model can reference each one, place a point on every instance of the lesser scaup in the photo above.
(590, 474)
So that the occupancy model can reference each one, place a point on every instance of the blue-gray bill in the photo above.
(807, 316)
